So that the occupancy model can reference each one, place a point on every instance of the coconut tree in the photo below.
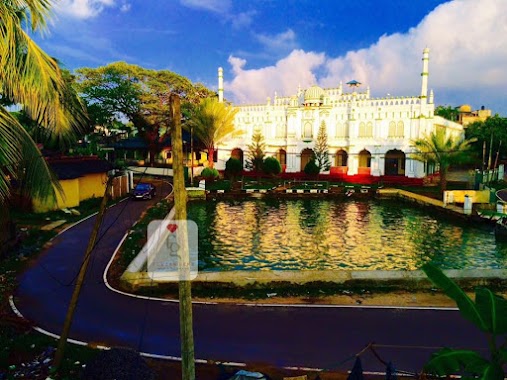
(34, 81)
(443, 150)
(212, 122)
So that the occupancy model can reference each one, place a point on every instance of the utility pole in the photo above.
(80, 278)
(180, 204)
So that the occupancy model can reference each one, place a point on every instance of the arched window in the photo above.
(400, 129)
(392, 129)
(369, 129)
(307, 131)
(280, 130)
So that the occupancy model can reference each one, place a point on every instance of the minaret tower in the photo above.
(220, 85)
(425, 73)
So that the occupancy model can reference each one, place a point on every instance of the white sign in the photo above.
(172, 250)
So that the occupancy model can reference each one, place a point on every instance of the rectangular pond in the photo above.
(354, 234)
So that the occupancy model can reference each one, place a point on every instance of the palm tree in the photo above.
(34, 81)
(443, 150)
(212, 122)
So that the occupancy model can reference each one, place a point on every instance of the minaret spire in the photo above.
(425, 73)
(220, 85)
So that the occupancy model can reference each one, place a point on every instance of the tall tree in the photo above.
(442, 150)
(121, 91)
(212, 122)
(321, 149)
(490, 134)
(33, 80)
(256, 152)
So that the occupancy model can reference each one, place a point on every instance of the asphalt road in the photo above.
(283, 336)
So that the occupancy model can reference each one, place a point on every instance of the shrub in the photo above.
(209, 173)
(233, 167)
(271, 166)
(311, 168)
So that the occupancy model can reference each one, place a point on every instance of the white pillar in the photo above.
(220, 85)
(425, 73)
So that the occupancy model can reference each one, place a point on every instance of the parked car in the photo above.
(144, 191)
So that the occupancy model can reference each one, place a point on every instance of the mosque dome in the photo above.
(314, 94)
(465, 108)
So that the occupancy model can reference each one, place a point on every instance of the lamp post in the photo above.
(192, 156)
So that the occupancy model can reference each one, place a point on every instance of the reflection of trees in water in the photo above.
(315, 233)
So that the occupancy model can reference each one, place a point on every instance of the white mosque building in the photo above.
(366, 135)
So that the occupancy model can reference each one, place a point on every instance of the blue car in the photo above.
(144, 191)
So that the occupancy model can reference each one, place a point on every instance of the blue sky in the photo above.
(274, 45)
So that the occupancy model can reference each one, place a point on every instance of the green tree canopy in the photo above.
(121, 91)
(447, 112)
(490, 134)
(33, 80)
(443, 150)
(212, 122)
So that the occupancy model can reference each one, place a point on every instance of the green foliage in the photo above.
(209, 173)
(256, 152)
(492, 133)
(212, 122)
(489, 314)
(271, 166)
(447, 112)
(33, 79)
(443, 150)
(321, 149)
(233, 167)
(311, 168)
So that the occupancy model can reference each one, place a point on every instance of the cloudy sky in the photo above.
(275, 45)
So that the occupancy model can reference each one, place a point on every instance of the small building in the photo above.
(80, 178)
(467, 116)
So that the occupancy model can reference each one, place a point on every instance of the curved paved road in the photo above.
(284, 336)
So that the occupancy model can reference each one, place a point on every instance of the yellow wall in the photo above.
(92, 186)
(70, 197)
(458, 196)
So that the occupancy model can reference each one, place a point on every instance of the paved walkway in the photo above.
(285, 336)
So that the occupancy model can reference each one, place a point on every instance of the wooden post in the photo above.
(180, 204)
(80, 278)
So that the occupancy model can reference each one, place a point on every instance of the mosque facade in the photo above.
(365, 135)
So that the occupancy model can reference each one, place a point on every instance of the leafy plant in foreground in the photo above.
(489, 313)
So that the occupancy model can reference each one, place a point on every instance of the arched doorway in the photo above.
(281, 156)
(395, 162)
(364, 162)
(237, 153)
(341, 158)
(306, 156)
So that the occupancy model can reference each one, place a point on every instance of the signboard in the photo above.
(172, 250)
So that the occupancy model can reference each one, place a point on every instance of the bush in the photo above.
(311, 168)
(209, 173)
(271, 166)
(233, 167)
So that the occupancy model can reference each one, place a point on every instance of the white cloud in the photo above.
(243, 19)
(125, 7)
(83, 9)
(284, 41)
(216, 6)
(468, 54)
(255, 85)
